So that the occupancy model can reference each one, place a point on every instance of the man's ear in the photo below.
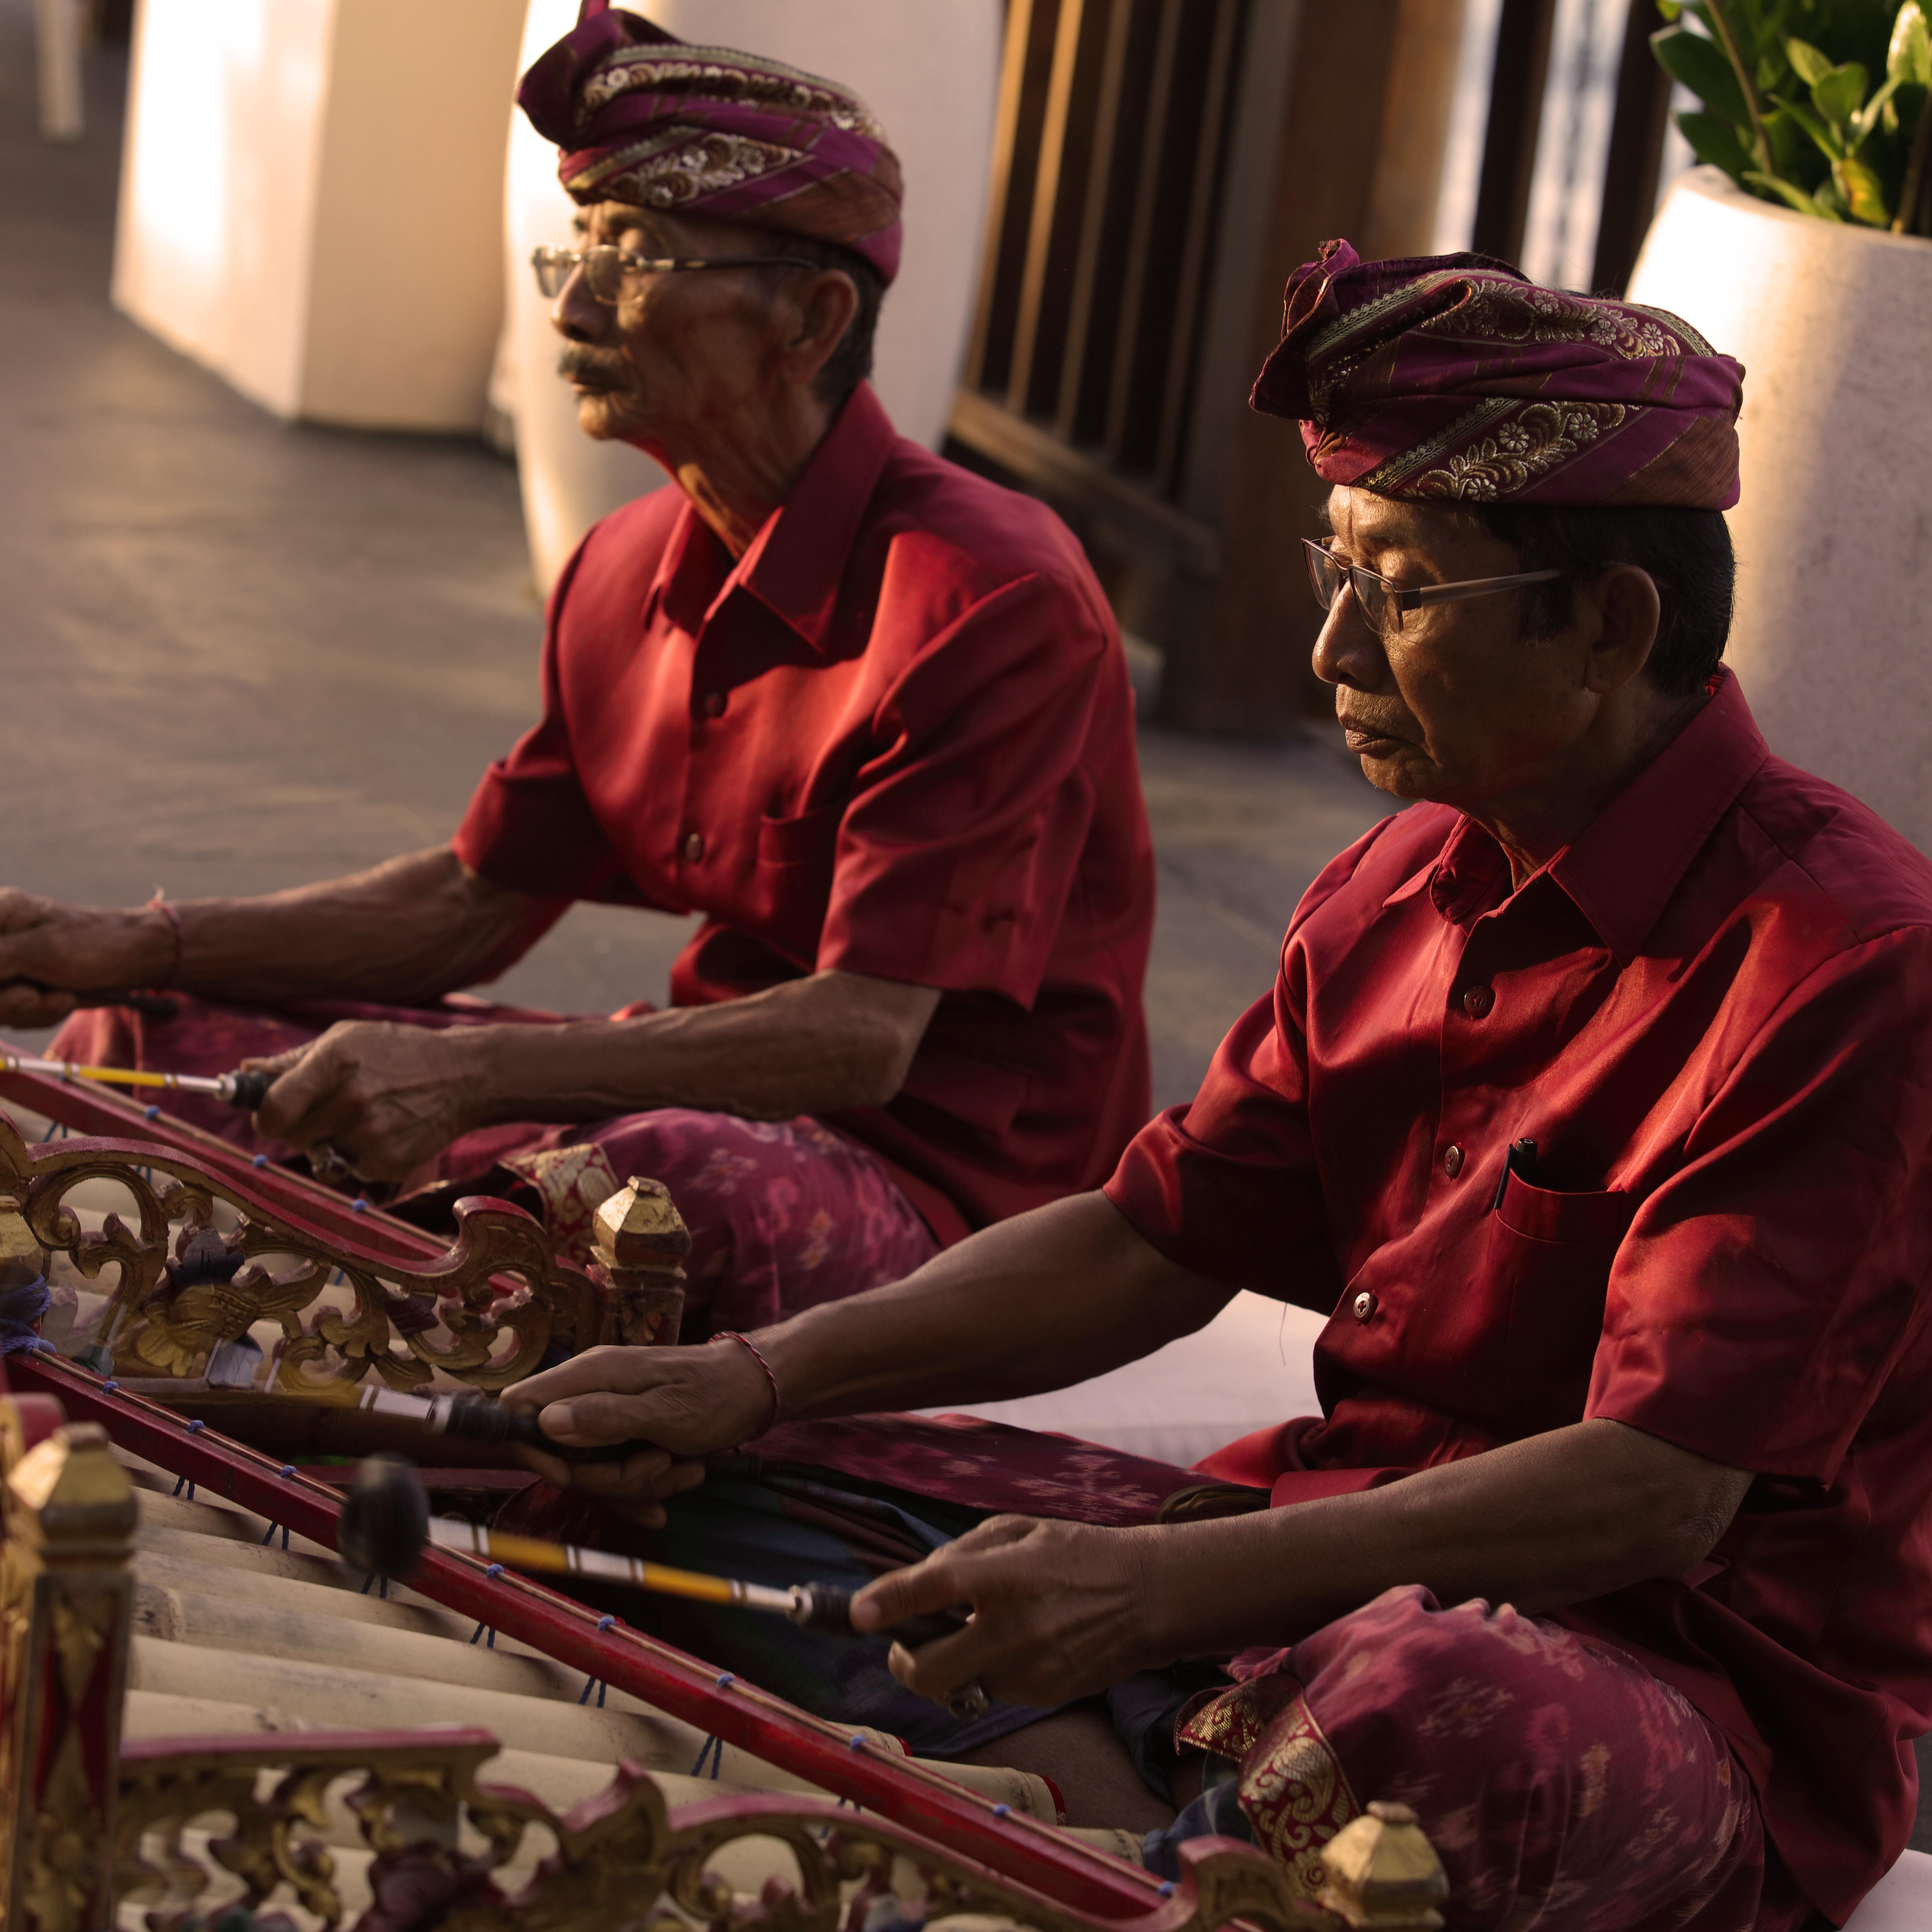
(826, 304)
(1623, 600)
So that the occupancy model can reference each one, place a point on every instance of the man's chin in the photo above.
(1396, 769)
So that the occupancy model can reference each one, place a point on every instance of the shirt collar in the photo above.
(1622, 868)
(797, 561)
(795, 564)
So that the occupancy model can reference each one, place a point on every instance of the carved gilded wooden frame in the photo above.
(404, 1323)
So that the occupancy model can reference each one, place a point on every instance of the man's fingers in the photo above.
(291, 1110)
(943, 1581)
(940, 1581)
(24, 1004)
(593, 1421)
(553, 1469)
(625, 1371)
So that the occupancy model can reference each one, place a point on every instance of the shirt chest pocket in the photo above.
(807, 839)
(1548, 1259)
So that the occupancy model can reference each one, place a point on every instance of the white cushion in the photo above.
(1901, 1901)
(1251, 1367)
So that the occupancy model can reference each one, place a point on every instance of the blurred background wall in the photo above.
(331, 202)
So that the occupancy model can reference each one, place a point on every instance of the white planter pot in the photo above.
(929, 71)
(1833, 639)
(280, 156)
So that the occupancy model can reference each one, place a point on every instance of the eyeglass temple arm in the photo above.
(1475, 587)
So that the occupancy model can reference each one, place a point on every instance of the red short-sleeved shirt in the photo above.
(895, 737)
(1712, 1014)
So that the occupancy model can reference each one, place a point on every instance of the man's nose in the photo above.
(577, 315)
(1347, 652)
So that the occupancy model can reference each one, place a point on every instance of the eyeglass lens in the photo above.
(603, 271)
(1328, 573)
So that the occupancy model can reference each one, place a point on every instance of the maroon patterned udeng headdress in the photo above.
(643, 117)
(1452, 377)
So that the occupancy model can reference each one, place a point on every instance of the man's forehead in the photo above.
(1367, 521)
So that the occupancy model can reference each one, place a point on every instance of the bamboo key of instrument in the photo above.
(244, 1088)
(386, 1525)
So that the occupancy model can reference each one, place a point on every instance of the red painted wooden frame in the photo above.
(1021, 1848)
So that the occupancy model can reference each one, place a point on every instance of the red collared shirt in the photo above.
(896, 737)
(1712, 1014)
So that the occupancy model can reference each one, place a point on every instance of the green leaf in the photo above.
(1774, 189)
(1910, 56)
(1864, 194)
(1866, 118)
(1841, 93)
(1809, 65)
(1701, 65)
(1670, 9)
(1813, 125)
(1716, 142)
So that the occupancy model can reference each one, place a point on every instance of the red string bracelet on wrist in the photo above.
(750, 1347)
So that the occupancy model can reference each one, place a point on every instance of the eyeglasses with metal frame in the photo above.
(1381, 603)
(605, 267)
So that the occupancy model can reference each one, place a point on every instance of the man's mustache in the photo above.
(595, 368)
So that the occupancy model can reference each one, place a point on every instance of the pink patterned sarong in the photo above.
(1561, 1784)
(783, 1214)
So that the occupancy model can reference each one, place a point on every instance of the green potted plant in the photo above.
(1818, 103)
(1801, 247)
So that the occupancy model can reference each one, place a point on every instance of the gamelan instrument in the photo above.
(196, 1696)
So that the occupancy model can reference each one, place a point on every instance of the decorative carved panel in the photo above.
(622, 1859)
(180, 1288)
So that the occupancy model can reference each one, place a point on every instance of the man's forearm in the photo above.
(1046, 1300)
(821, 1044)
(406, 932)
(1554, 1520)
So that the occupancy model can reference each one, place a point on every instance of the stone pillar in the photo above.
(638, 1254)
(66, 1599)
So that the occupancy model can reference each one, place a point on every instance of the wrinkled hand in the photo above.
(686, 1402)
(386, 1097)
(49, 951)
(1060, 1610)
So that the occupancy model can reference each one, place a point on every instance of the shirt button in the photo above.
(1478, 1001)
(1452, 1161)
(694, 847)
(1365, 1306)
(714, 704)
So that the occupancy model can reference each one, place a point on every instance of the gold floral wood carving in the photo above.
(182, 1288)
(65, 1604)
(622, 1859)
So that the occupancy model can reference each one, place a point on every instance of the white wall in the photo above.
(929, 71)
(311, 201)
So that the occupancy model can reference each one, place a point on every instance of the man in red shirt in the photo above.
(866, 711)
(1593, 1103)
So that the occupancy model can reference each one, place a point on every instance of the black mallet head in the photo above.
(384, 1521)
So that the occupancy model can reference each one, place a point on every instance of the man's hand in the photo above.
(684, 1403)
(49, 951)
(386, 1098)
(1060, 1611)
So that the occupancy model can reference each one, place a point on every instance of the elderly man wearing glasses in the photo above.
(865, 712)
(1592, 1104)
